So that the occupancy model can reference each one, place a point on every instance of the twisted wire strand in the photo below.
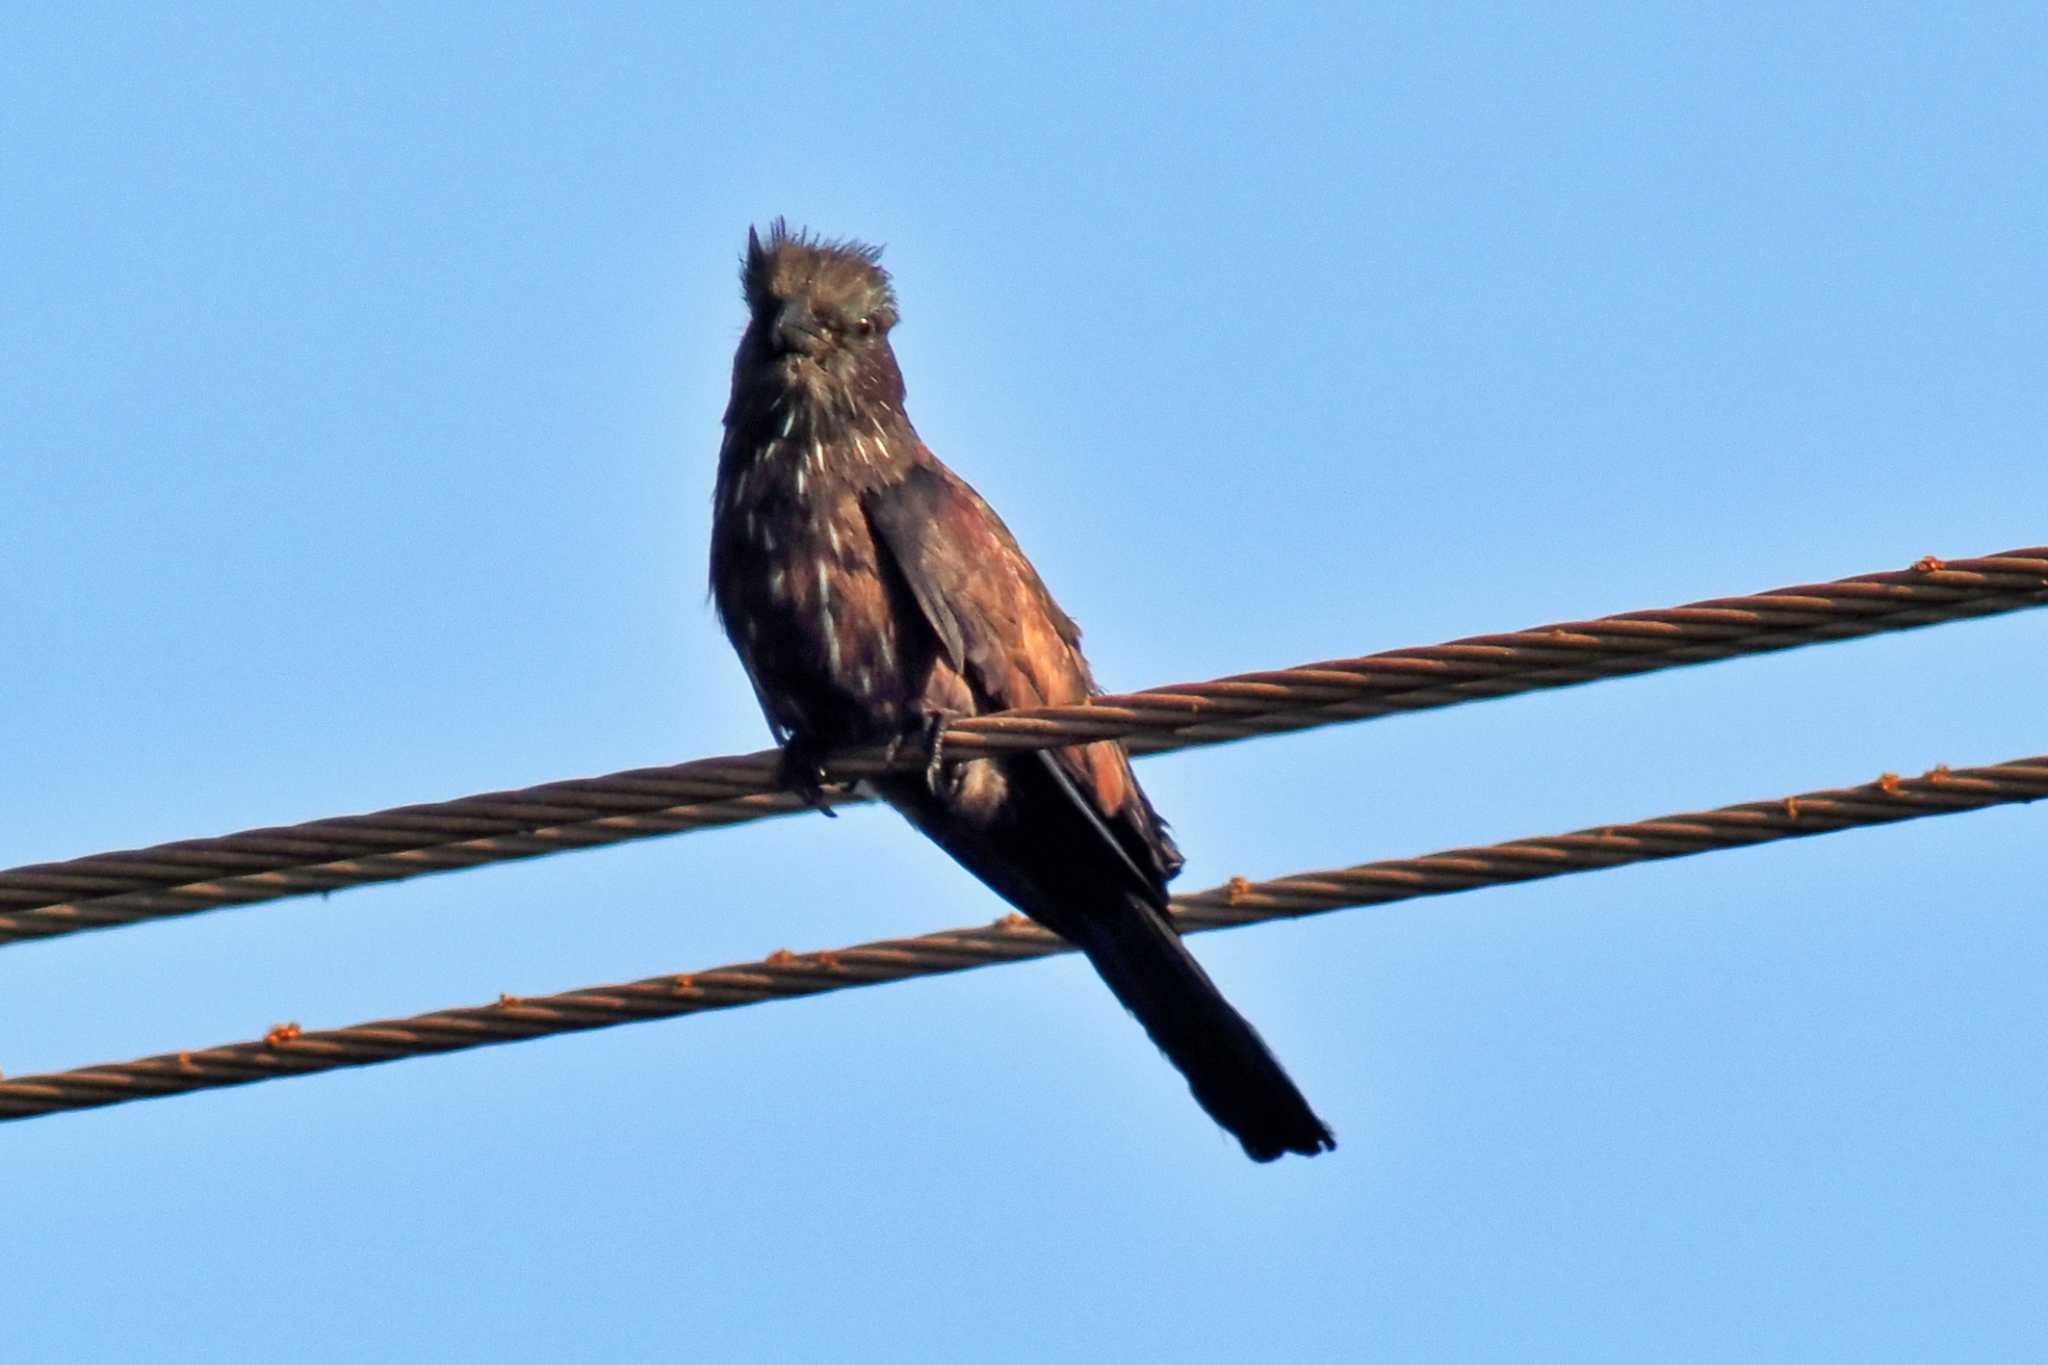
(110, 889)
(288, 1051)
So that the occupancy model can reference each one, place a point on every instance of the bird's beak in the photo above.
(796, 329)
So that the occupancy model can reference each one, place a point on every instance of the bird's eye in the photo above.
(864, 327)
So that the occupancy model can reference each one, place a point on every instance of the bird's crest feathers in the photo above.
(837, 272)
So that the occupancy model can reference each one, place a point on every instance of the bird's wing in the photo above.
(999, 628)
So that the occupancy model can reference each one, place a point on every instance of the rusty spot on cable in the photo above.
(1012, 923)
(280, 1034)
(781, 957)
(827, 959)
(506, 1000)
(1888, 783)
(686, 982)
(1237, 891)
(185, 1062)
(1928, 564)
(1937, 774)
(1791, 808)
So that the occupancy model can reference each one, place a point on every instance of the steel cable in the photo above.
(289, 1051)
(109, 889)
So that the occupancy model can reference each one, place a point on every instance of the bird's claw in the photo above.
(935, 749)
(934, 743)
(801, 772)
(926, 735)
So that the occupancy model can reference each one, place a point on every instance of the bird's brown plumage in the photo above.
(871, 593)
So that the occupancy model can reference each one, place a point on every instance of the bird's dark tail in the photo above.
(1227, 1065)
(1049, 853)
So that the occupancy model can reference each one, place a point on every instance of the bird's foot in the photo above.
(801, 771)
(934, 737)
(923, 734)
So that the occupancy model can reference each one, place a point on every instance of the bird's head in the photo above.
(818, 326)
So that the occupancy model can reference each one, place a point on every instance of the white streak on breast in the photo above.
(825, 620)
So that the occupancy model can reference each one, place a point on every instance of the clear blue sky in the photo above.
(360, 375)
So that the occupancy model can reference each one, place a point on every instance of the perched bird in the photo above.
(872, 595)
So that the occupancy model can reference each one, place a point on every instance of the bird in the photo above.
(872, 596)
